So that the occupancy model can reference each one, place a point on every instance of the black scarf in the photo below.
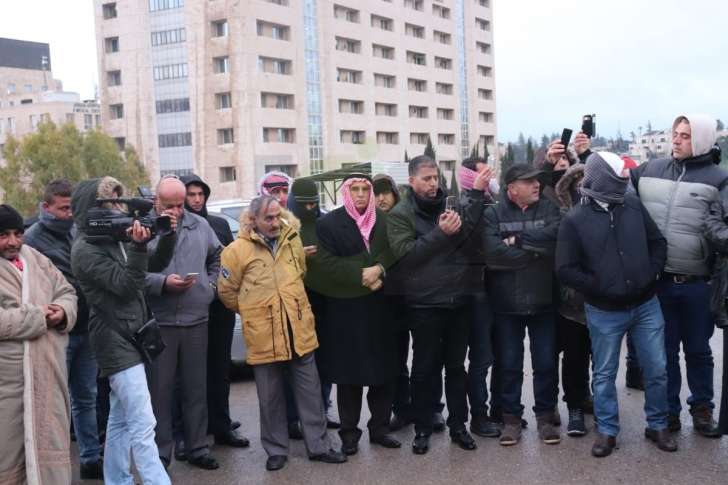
(432, 207)
(601, 183)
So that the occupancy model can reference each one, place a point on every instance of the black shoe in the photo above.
(234, 425)
(634, 379)
(673, 423)
(438, 422)
(349, 448)
(603, 445)
(180, 452)
(662, 438)
(294, 430)
(588, 405)
(703, 421)
(463, 439)
(398, 422)
(496, 416)
(232, 438)
(331, 423)
(576, 426)
(386, 441)
(330, 456)
(275, 462)
(206, 462)
(92, 471)
(482, 426)
(421, 444)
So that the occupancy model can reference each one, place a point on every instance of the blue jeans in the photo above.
(480, 355)
(607, 330)
(688, 321)
(131, 429)
(511, 330)
(82, 372)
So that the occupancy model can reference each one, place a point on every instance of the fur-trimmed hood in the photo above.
(85, 195)
(290, 222)
(569, 185)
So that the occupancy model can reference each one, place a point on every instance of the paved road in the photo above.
(637, 461)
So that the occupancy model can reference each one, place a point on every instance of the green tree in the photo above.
(507, 161)
(486, 153)
(529, 151)
(429, 150)
(54, 152)
(406, 157)
(475, 153)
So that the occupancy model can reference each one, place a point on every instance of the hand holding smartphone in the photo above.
(191, 276)
(451, 203)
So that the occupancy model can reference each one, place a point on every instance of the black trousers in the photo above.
(402, 405)
(573, 340)
(439, 337)
(220, 339)
(349, 401)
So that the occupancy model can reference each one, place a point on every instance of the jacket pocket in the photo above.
(259, 333)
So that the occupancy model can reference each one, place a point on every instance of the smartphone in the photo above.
(189, 276)
(588, 127)
(451, 203)
(566, 137)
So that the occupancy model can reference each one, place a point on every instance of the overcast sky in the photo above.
(628, 61)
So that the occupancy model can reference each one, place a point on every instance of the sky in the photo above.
(627, 61)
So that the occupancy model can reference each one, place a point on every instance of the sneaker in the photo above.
(576, 426)
(482, 426)
(546, 429)
(703, 421)
(511, 433)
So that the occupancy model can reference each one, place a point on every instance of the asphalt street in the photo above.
(636, 461)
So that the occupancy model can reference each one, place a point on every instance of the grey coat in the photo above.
(197, 250)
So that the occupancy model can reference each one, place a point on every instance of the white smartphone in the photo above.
(189, 276)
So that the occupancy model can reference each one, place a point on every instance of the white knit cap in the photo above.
(615, 162)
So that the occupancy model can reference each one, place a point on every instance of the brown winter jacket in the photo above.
(268, 292)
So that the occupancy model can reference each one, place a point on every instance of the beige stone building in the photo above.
(29, 95)
(231, 89)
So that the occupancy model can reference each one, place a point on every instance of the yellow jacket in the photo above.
(267, 291)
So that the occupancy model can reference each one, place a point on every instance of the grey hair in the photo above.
(260, 204)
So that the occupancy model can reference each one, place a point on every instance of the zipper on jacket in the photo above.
(272, 329)
(298, 307)
(673, 196)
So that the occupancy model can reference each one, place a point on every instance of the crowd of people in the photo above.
(126, 343)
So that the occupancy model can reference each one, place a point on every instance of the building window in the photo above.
(351, 136)
(70, 118)
(221, 65)
(418, 5)
(274, 66)
(440, 11)
(482, 47)
(228, 174)
(26, 101)
(279, 135)
(88, 122)
(383, 23)
(442, 37)
(109, 10)
(445, 114)
(447, 165)
(276, 101)
(483, 3)
(418, 111)
(486, 94)
(290, 170)
(414, 31)
(225, 136)
(116, 111)
(113, 78)
(176, 105)
(443, 88)
(385, 109)
(416, 58)
(11, 88)
(120, 142)
(155, 5)
(485, 71)
(446, 139)
(384, 80)
(173, 36)
(28, 88)
(443, 63)
(219, 28)
(419, 138)
(348, 45)
(346, 13)
(417, 85)
(283, 3)
(111, 45)
(485, 117)
(382, 51)
(274, 31)
(482, 24)
(170, 71)
(487, 140)
(388, 137)
(348, 76)
(223, 101)
(351, 106)
(171, 140)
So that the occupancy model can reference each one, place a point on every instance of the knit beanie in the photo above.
(10, 219)
(304, 191)
(603, 179)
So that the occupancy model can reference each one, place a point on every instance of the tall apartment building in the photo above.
(29, 95)
(231, 89)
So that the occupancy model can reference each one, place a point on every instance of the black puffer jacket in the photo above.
(614, 257)
(520, 277)
(112, 283)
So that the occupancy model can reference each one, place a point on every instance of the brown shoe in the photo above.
(662, 438)
(546, 429)
(511, 434)
(603, 445)
(703, 421)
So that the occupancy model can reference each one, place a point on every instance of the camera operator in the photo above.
(112, 275)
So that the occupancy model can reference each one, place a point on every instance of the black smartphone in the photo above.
(451, 203)
(566, 137)
(588, 126)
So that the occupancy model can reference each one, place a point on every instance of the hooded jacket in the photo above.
(111, 276)
(218, 224)
(384, 179)
(267, 290)
(678, 194)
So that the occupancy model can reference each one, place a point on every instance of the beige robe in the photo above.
(34, 404)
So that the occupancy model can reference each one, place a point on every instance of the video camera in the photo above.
(104, 223)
